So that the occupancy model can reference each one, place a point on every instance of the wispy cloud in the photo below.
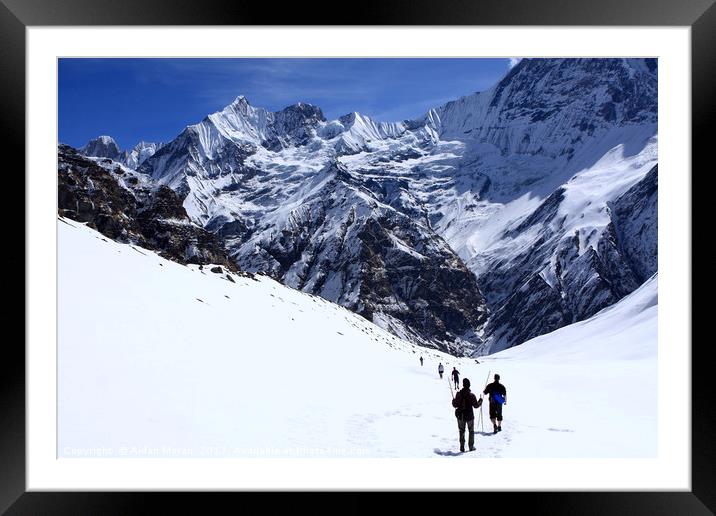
(337, 85)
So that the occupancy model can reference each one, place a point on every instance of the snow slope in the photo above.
(595, 382)
(161, 359)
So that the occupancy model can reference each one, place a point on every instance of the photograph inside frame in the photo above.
(342, 257)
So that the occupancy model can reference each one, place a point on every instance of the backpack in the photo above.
(459, 410)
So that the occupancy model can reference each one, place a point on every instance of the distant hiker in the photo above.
(498, 397)
(456, 377)
(464, 401)
(421, 360)
(440, 369)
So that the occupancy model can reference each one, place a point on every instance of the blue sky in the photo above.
(154, 99)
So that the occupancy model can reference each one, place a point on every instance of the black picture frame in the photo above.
(17, 15)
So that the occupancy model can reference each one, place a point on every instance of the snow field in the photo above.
(158, 356)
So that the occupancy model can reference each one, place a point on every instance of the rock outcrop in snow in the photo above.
(634, 216)
(123, 206)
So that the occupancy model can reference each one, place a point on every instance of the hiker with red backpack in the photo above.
(464, 401)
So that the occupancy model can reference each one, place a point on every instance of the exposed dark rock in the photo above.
(543, 214)
(383, 265)
(535, 309)
(433, 294)
(635, 224)
(293, 126)
(101, 147)
(584, 281)
(153, 219)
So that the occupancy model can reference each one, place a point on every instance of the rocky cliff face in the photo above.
(118, 204)
(494, 218)
(101, 147)
(344, 245)
(635, 224)
(550, 106)
(578, 281)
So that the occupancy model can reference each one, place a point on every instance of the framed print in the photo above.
(416, 250)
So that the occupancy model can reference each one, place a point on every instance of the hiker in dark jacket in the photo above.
(421, 360)
(498, 396)
(440, 369)
(464, 401)
(456, 377)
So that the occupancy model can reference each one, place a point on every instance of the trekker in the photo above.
(421, 360)
(498, 397)
(440, 369)
(464, 401)
(456, 377)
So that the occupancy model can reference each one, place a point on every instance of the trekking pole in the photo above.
(487, 379)
(482, 426)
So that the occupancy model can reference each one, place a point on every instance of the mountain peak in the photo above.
(352, 117)
(302, 110)
(239, 104)
(101, 147)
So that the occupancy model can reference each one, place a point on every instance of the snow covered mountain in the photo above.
(101, 147)
(139, 154)
(494, 218)
(557, 141)
(180, 361)
(339, 241)
(106, 147)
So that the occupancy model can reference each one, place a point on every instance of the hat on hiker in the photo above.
(497, 376)
(466, 383)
